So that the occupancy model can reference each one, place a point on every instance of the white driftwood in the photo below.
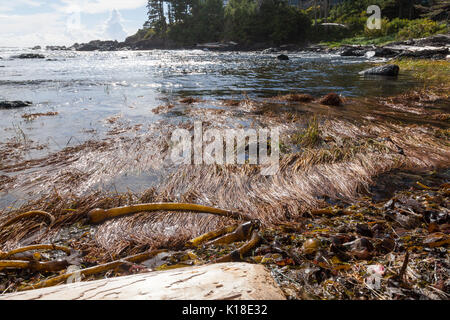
(237, 281)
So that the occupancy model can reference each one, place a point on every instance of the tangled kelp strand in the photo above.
(93, 270)
(241, 233)
(41, 266)
(238, 254)
(34, 247)
(28, 215)
(209, 235)
(99, 215)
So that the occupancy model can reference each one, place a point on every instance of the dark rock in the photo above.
(439, 40)
(331, 99)
(387, 245)
(363, 230)
(283, 57)
(440, 53)
(36, 48)
(353, 52)
(386, 52)
(151, 44)
(29, 56)
(97, 45)
(56, 48)
(359, 244)
(386, 70)
(14, 104)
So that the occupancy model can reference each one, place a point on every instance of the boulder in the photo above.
(14, 104)
(391, 70)
(29, 56)
(283, 57)
(222, 281)
(353, 52)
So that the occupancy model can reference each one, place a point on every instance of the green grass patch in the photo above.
(310, 137)
(435, 71)
(360, 40)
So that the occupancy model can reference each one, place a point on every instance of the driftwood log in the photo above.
(222, 281)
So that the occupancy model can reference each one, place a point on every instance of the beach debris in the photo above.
(310, 246)
(376, 272)
(189, 100)
(225, 281)
(209, 235)
(32, 116)
(241, 233)
(238, 254)
(75, 272)
(93, 270)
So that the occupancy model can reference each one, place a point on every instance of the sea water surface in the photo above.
(87, 87)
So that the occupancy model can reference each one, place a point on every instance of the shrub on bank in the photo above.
(421, 28)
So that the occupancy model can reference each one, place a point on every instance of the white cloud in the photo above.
(98, 6)
(62, 24)
(42, 29)
(13, 5)
(113, 28)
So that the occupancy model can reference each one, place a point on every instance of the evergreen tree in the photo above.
(156, 19)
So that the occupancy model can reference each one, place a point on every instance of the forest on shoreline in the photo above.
(188, 22)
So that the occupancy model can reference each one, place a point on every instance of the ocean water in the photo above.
(85, 88)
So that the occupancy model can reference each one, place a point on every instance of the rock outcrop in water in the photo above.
(14, 104)
(353, 52)
(97, 45)
(434, 47)
(283, 57)
(439, 53)
(56, 48)
(391, 70)
(29, 56)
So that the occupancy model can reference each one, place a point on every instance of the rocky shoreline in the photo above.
(433, 47)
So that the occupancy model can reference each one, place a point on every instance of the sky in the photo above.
(25, 23)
